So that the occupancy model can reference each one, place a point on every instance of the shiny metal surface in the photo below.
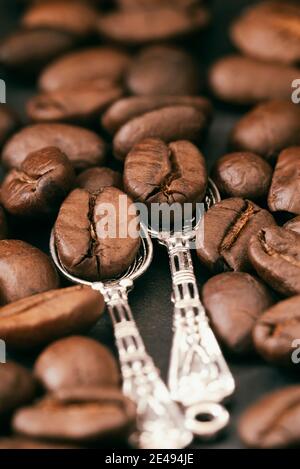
(160, 422)
(198, 373)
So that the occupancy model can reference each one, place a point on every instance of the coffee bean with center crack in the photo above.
(224, 233)
(243, 174)
(275, 254)
(43, 318)
(243, 80)
(84, 66)
(234, 301)
(277, 331)
(284, 194)
(76, 361)
(79, 103)
(80, 415)
(40, 185)
(168, 124)
(126, 109)
(269, 31)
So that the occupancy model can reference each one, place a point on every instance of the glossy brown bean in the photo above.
(268, 129)
(43, 318)
(83, 147)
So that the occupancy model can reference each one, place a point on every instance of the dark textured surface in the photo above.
(150, 299)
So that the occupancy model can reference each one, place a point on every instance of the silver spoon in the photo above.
(160, 422)
(199, 377)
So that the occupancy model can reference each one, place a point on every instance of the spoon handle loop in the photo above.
(198, 371)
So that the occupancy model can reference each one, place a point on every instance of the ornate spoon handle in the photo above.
(160, 423)
(198, 371)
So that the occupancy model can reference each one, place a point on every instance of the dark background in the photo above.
(150, 300)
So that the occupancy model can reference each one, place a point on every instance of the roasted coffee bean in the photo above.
(140, 26)
(243, 80)
(269, 31)
(84, 245)
(243, 174)
(83, 66)
(76, 361)
(8, 123)
(293, 225)
(24, 271)
(74, 17)
(17, 387)
(275, 254)
(83, 147)
(40, 185)
(277, 330)
(28, 50)
(17, 442)
(164, 70)
(126, 109)
(159, 173)
(225, 231)
(79, 103)
(94, 179)
(273, 421)
(3, 224)
(234, 301)
(43, 318)
(268, 129)
(79, 415)
(284, 192)
(168, 124)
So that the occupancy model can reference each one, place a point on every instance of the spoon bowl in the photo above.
(160, 422)
(199, 378)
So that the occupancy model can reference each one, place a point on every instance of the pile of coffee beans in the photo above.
(72, 397)
(118, 113)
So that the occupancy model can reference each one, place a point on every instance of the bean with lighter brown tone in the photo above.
(83, 147)
(80, 103)
(76, 361)
(225, 232)
(269, 31)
